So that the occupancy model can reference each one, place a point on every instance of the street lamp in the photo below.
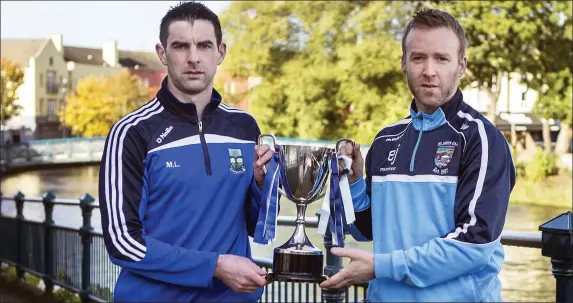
(67, 87)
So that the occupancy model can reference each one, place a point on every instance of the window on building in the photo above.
(51, 61)
(51, 84)
(52, 109)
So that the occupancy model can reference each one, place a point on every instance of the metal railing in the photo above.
(88, 150)
(49, 152)
(76, 259)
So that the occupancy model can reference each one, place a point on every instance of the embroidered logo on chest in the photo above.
(443, 156)
(236, 159)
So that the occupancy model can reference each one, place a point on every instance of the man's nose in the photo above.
(429, 68)
(193, 56)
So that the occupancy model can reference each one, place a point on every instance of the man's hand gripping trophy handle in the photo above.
(351, 150)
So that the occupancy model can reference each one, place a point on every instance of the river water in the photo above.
(526, 274)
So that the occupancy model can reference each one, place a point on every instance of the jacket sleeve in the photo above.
(361, 229)
(486, 178)
(122, 188)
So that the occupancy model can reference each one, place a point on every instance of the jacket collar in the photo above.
(439, 117)
(187, 111)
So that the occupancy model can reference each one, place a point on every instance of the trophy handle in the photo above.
(261, 137)
(343, 140)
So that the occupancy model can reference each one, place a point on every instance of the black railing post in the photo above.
(19, 199)
(333, 265)
(557, 243)
(87, 205)
(48, 201)
(28, 152)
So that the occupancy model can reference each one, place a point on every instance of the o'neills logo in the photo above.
(164, 134)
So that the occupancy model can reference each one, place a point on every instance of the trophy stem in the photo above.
(299, 232)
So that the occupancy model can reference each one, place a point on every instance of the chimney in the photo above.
(58, 41)
(110, 54)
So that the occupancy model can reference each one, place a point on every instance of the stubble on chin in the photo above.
(191, 88)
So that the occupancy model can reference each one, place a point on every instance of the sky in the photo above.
(133, 24)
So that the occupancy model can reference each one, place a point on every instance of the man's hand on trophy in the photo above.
(357, 161)
(240, 273)
(263, 155)
(360, 269)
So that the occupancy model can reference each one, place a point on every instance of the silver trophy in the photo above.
(306, 170)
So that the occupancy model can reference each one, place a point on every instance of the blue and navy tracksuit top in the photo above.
(434, 203)
(175, 192)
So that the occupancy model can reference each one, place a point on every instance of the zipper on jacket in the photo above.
(205, 150)
(417, 144)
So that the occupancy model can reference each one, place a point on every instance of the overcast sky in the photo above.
(133, 24)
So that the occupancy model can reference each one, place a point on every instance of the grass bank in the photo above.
(553, 191)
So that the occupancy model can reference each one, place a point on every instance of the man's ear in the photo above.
(161, 53)
(222, 52)
(463, 66)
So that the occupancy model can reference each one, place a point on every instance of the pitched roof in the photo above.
(19, 51)
(84, 55)
(143, 59)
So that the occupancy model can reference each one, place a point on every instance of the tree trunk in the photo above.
(546, 135)
(563, 139)
(492, 108)
(493, 94)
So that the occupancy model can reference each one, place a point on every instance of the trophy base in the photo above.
(272, 277)
(292, 265)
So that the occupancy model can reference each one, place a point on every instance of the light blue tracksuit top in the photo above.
(434, 202)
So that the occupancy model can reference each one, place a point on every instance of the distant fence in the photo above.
(50, 152)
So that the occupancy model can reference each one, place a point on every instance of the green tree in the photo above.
(100, 101)
(12, 78)
(332, 69)
(555, 84)
(531, 38)
(328, 69)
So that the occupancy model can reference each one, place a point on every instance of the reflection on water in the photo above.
(525, 276)
(68, 183)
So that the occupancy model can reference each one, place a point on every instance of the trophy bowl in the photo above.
(304, 172)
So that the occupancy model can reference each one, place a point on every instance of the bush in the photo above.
(520, 169)
(541, 166)
(65, 295)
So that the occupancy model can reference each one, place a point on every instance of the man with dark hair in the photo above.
(181, 178)
(437, 185)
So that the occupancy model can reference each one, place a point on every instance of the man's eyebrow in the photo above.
(439, 54)
(415, 53)
(442, 54)
(179, 42)
(205, 42)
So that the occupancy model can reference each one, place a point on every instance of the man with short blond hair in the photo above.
(437, 185)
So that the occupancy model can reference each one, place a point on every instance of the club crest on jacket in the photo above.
(236, 159)
(444, 154)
